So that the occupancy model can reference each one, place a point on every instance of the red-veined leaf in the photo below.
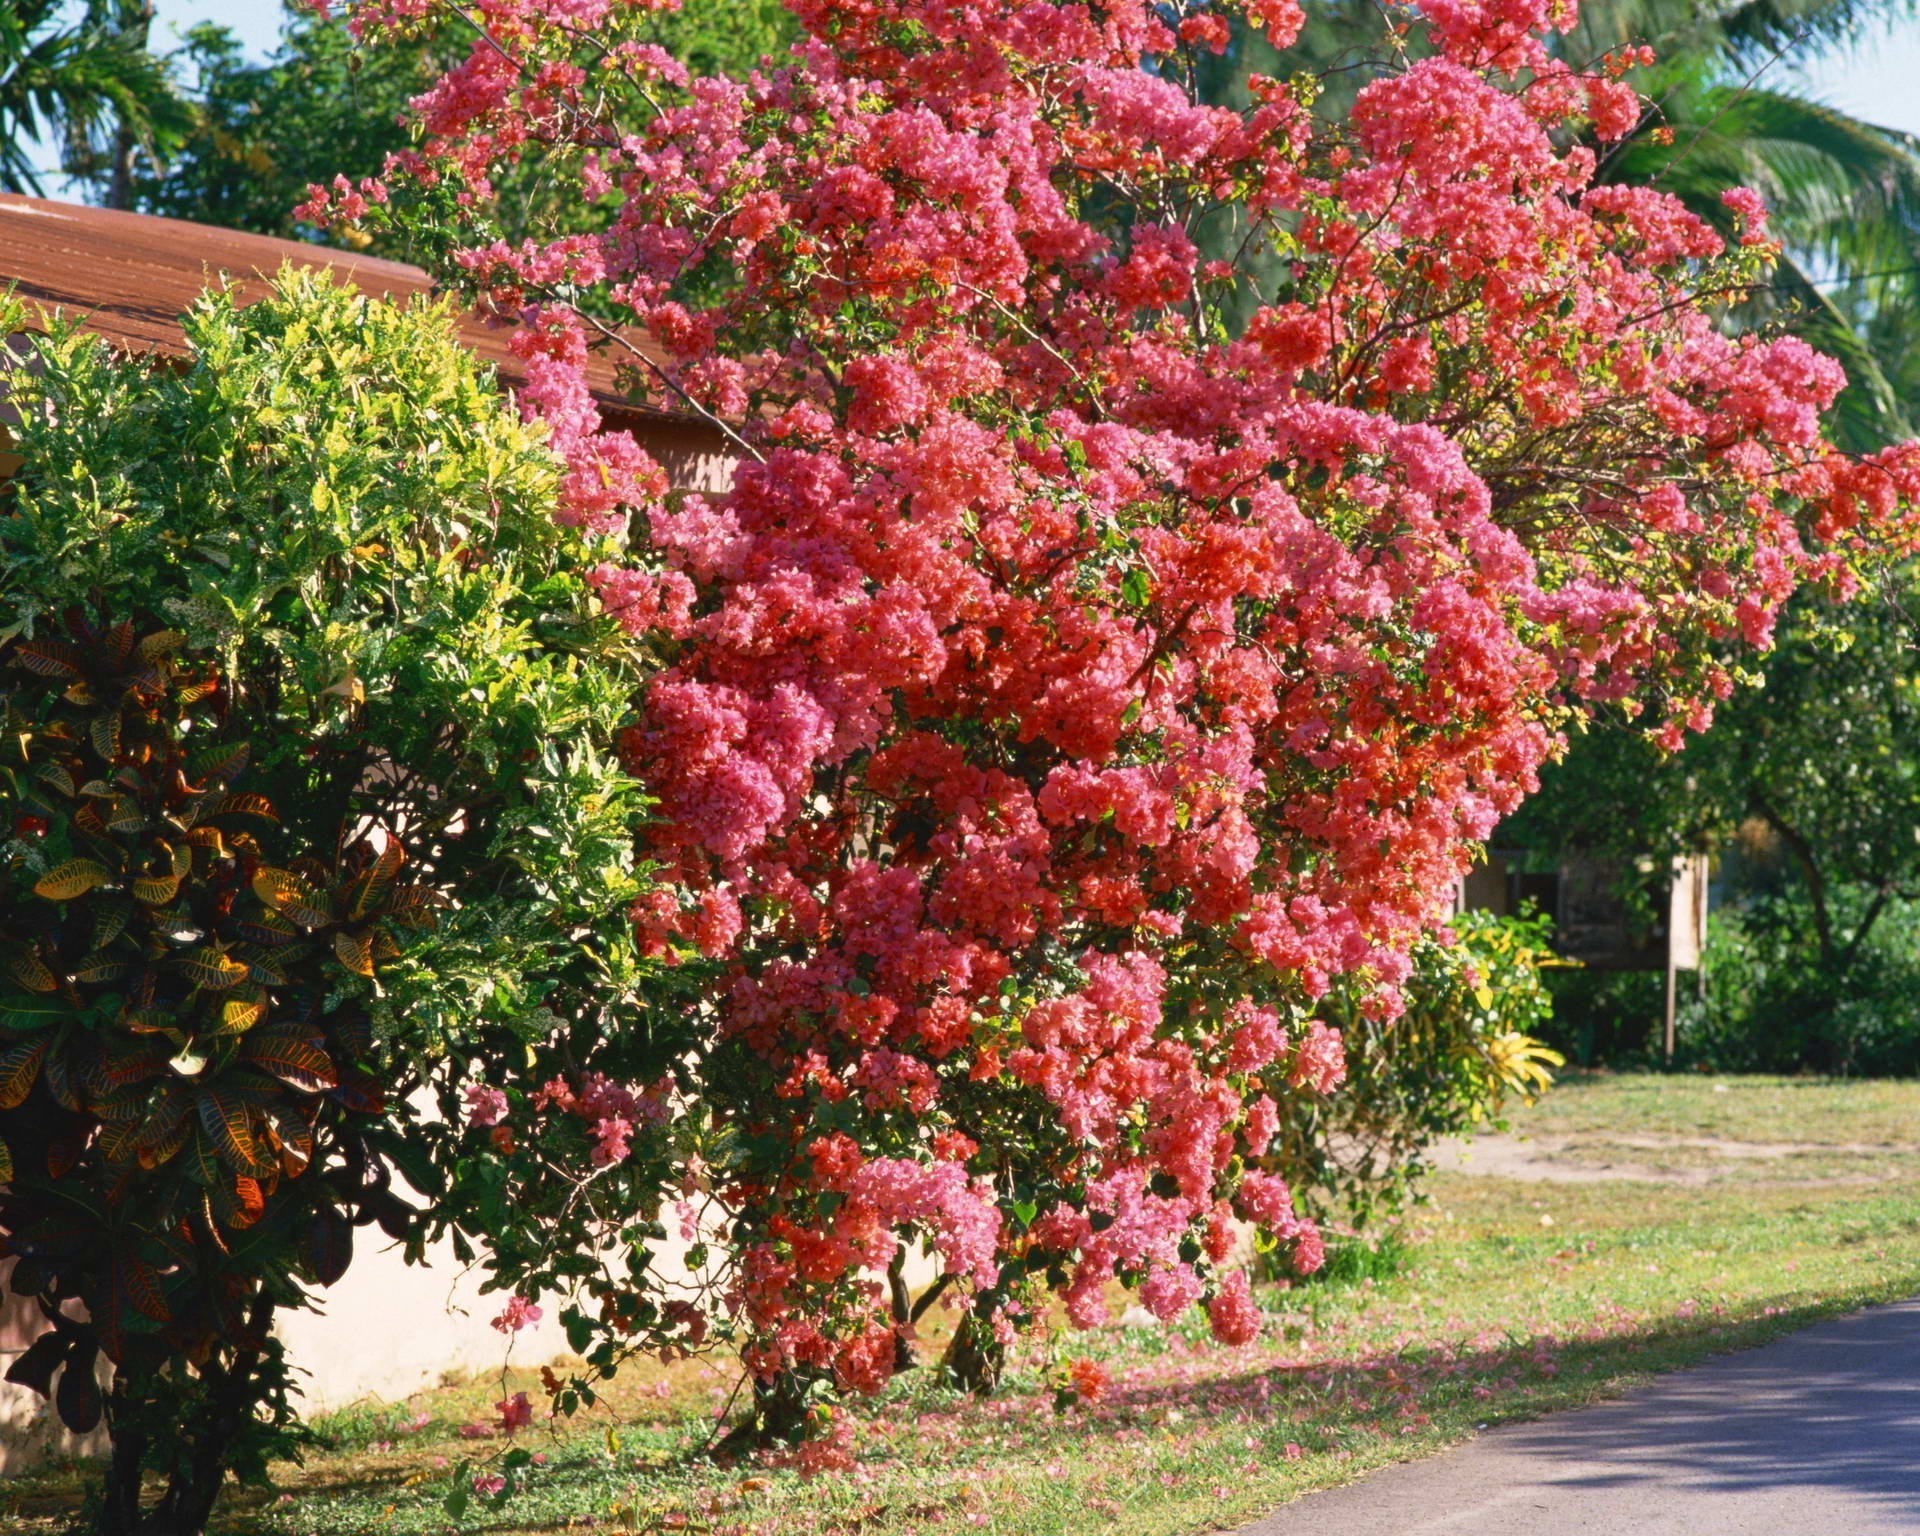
(298, 1062)
(219, 763)
(49, 658)
(372, 887)
(239, 1014)
(57, 779)
(355, 952)
(225, 1121)
(78, 1396)
(156, 890)
(211, 969)
(249, 1205)
(25, 967)
(326, 1243)
(140, 1282)
(243, 805)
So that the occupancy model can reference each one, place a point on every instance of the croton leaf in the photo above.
(23, 1014)
(212, 969)
(240, 1014)
(19, 1067)
(104, 733)
(355, 951)
(371, 888)
(139, 1282)
(34, 1369)
(61, 1082)
(57, 779)
(217, 764)
(296, 1061)
(6, 1165)
(326, 1243)
(74, 878)
(225, 1119)
(141, 1061)
(78, 1396)
(246, 1203)
(286, 892)
(162, 642)
(49, 658)
(156, 890)
(244, 805)
(109, 922)
(25, 967)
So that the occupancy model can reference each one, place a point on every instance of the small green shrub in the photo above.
(308, 773)
(1462, 1049)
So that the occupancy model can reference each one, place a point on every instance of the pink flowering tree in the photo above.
(1097, 654)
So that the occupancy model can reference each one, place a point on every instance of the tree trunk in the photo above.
(975, 1359)
(781, 1415)
(138, 26)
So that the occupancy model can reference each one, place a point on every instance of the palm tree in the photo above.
(1845, 193)
(80, 84)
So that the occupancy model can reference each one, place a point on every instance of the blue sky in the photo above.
(1876, 77)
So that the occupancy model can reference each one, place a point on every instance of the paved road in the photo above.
(1816, 1435)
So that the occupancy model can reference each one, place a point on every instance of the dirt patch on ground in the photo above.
(1592, 1158)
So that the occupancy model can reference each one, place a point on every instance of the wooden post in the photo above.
(1673, 972)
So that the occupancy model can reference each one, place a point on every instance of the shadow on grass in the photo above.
(1837, 1405)
(1376, 1395)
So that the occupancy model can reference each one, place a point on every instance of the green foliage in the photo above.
(74, 79)
(310, 713)
(1808, 787)
(1770, 1003)
(1462, 1050)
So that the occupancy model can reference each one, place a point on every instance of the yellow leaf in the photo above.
(74, 878)
(355, 952)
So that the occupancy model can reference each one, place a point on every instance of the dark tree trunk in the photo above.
(975, 1359)
(781, 1415)
(208, 1436)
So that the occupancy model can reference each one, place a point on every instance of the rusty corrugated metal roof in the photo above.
(128, 276)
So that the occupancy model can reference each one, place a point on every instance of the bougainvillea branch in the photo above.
(1174, 537)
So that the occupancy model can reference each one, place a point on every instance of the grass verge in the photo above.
(1506, 1300)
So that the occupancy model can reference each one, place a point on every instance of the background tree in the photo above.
(70, 82)
(323, 105)
(1807, 792)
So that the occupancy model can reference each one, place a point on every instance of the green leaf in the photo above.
(29, 1012)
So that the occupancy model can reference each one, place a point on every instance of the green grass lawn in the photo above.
(1508, 1299)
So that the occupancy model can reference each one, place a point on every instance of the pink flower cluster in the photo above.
(612, 1114)
(1075, 683)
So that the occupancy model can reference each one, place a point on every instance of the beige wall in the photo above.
(387, 1330)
